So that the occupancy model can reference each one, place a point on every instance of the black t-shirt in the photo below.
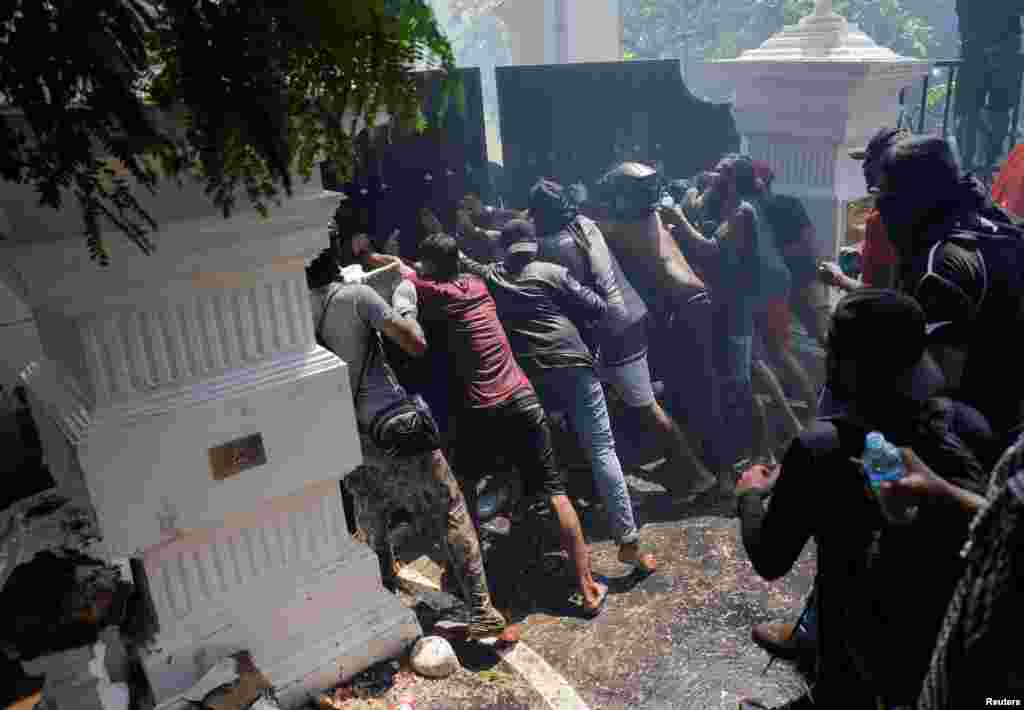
(821, 494)
(540, 307)
(789, 218)
(976, 282)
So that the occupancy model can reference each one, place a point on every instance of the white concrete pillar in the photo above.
(211, 433)
(806, 97)
(19, 339)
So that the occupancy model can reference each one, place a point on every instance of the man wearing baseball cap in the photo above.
(543, 308)
(878, 256)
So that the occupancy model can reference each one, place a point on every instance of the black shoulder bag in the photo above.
(405, 428)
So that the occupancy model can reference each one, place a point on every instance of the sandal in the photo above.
(643, 562)
(491, 624)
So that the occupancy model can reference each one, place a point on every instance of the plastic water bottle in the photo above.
(882, 460)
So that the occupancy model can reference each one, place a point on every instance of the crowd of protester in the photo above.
(673, 303)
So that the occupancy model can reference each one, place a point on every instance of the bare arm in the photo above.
(675, 218)
(831, 275)
(378, 261)
(405, 303)
(406, 333)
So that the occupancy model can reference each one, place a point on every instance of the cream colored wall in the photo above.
(595, 30)
(525, 21)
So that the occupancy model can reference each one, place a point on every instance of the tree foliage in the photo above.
(704, 30)
(236, 93)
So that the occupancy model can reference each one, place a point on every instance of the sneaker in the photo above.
(804, 702)
(490, 624)
(781, 639)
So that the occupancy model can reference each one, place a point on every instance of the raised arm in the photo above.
(675, 218)
(405, 332)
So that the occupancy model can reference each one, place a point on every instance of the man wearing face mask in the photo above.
(964, 262)
(571, 240)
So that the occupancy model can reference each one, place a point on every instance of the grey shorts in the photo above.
(632, 381)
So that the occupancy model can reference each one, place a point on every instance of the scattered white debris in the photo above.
(225, 672)
(434, 657)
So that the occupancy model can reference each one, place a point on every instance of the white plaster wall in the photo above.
(595, 31)
(304, 413)
(563, 31)
(19, 337)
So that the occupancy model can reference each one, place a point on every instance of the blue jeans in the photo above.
(577, 392)
(808, 627)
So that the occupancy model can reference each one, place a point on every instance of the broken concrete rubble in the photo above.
(78, 678)
(434, 657)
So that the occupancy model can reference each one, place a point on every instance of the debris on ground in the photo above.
(375, 681)
(434, 657)
(223, 673)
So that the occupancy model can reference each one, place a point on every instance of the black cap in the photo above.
(550, 205)
(924, 165)
(886, 331)
(519, 237)
(882, 139)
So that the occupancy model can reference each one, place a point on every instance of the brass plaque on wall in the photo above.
(232, 458)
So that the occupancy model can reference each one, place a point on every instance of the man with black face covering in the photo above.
(965, 265)
(575, 242)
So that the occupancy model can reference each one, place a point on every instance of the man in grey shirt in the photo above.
(347, 315)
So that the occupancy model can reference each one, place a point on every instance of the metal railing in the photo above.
(938, 117)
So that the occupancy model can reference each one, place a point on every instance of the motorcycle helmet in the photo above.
(631, 191)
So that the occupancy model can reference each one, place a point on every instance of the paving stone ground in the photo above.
(677, 640)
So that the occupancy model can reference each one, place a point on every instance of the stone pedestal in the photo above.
(79, 678)
(808, 96)
(210, 433)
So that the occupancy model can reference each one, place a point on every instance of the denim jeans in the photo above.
(577, 391)
(808, 627)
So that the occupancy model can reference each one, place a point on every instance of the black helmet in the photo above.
(631, 191)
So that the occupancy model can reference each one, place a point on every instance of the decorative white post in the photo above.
(210, 433)
(806, 97)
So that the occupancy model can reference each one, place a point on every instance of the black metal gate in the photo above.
(398, 174)
(571, 122)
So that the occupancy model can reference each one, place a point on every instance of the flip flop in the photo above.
(577, 601)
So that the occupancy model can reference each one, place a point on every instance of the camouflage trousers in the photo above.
(425, 487)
